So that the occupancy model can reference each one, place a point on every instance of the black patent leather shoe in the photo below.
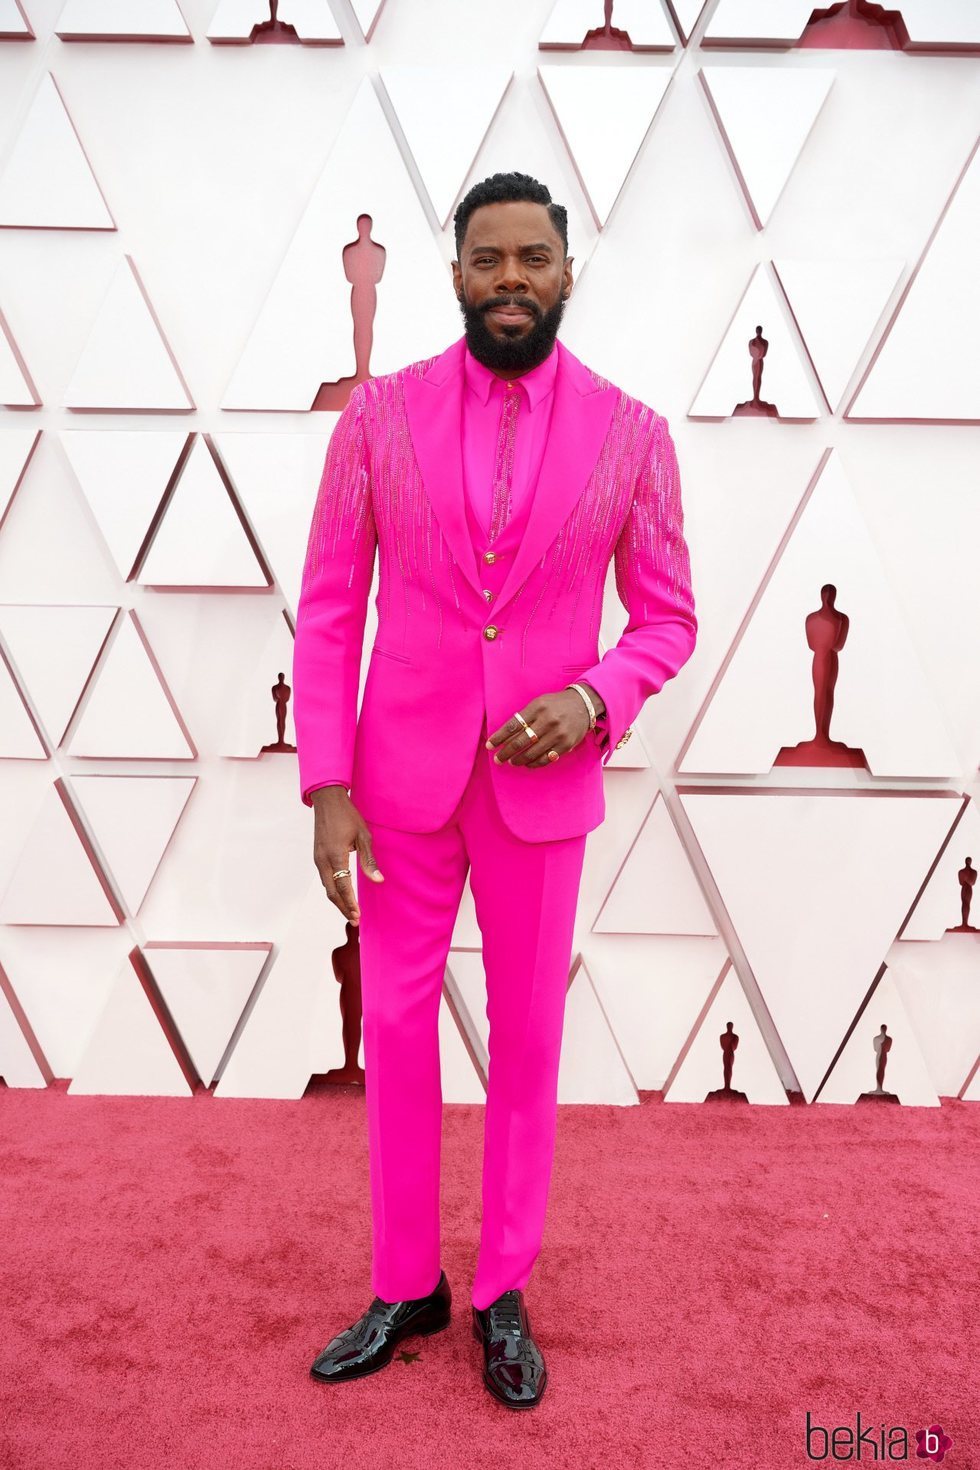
(370, 1343)
(513, 1366)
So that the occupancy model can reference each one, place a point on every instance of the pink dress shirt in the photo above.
(483, 400)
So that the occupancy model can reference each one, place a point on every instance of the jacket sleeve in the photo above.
(332, 608)
(653, 580)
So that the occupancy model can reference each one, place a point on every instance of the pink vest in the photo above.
(502, 548)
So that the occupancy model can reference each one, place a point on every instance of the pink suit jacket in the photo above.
(392, 483)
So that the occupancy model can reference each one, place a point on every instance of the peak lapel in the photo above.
(434, 408)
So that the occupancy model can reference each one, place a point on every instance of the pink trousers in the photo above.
(526, 895)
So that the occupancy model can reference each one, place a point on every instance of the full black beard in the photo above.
(520, 353)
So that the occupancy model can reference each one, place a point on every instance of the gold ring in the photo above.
(342, 873)
(531, 736)
(553, 755)
(519, 716)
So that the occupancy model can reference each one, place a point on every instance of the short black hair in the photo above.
(501, 188)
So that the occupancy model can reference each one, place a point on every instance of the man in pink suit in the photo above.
(495, 481)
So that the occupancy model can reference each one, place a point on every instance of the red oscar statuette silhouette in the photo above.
(347, 972)
(756, 407)
(826, 634)
(607, 37)
(968, 881)
(882, 1045)
(364, 263)
(280, 696)
(855, 25)
(728, 1041)
(274, 31)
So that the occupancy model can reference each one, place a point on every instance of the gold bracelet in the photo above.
(590, 705)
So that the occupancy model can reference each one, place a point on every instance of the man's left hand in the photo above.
(559, 720)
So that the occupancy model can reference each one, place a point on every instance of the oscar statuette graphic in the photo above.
(882, 1045)
(607, 37)
(280, 692)
(274, 31)
(967, 876)
(826, 634)
(728, 1042)
(346, 961)
(756, 406)
(364, 264)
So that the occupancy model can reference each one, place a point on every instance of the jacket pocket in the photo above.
(401, 658)
(579, 667)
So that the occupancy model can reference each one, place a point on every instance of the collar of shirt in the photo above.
(537, 381)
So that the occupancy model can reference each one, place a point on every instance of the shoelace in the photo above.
(505, 1314)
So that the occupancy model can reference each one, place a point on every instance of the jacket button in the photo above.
(490, 631)
(490, 556)
(488, 594)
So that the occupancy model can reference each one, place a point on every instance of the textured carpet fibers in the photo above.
(710, 1276)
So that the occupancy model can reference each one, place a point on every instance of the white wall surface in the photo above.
(171, 218)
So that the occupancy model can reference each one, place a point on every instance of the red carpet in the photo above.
(709, 1274)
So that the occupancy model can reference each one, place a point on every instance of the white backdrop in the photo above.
(172, 296)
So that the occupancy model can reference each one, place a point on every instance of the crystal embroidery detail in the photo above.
(371, 494)
(343, 522)
(503, 463)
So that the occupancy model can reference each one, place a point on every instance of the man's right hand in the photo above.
(339, 830)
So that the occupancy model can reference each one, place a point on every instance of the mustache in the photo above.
(524, 305)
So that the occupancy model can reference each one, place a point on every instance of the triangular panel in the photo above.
(928, 367)
(655, 891)
(54, 650)
(17, 388)
(276, 477)
(46, 181)
(652, 991)
(784, 387)
(124, 474)
(817, 885)
(132, 818)
(837, 305)
(295, 1012)
(130, 713)
(883, 1034)
(200, 541)
(252, 723)
(937, 984)
(128, 1052)
(883, 701)
(729, 1028)
(126, 365)
(765, 115)
(206, 987)
(604, 113)
(423, 97)
(121, 20)
(304, 335)
(940, 904)
(54, 881)
(591, 1069)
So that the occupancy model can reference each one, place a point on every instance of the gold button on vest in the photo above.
(489, 556)
(490, 631)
